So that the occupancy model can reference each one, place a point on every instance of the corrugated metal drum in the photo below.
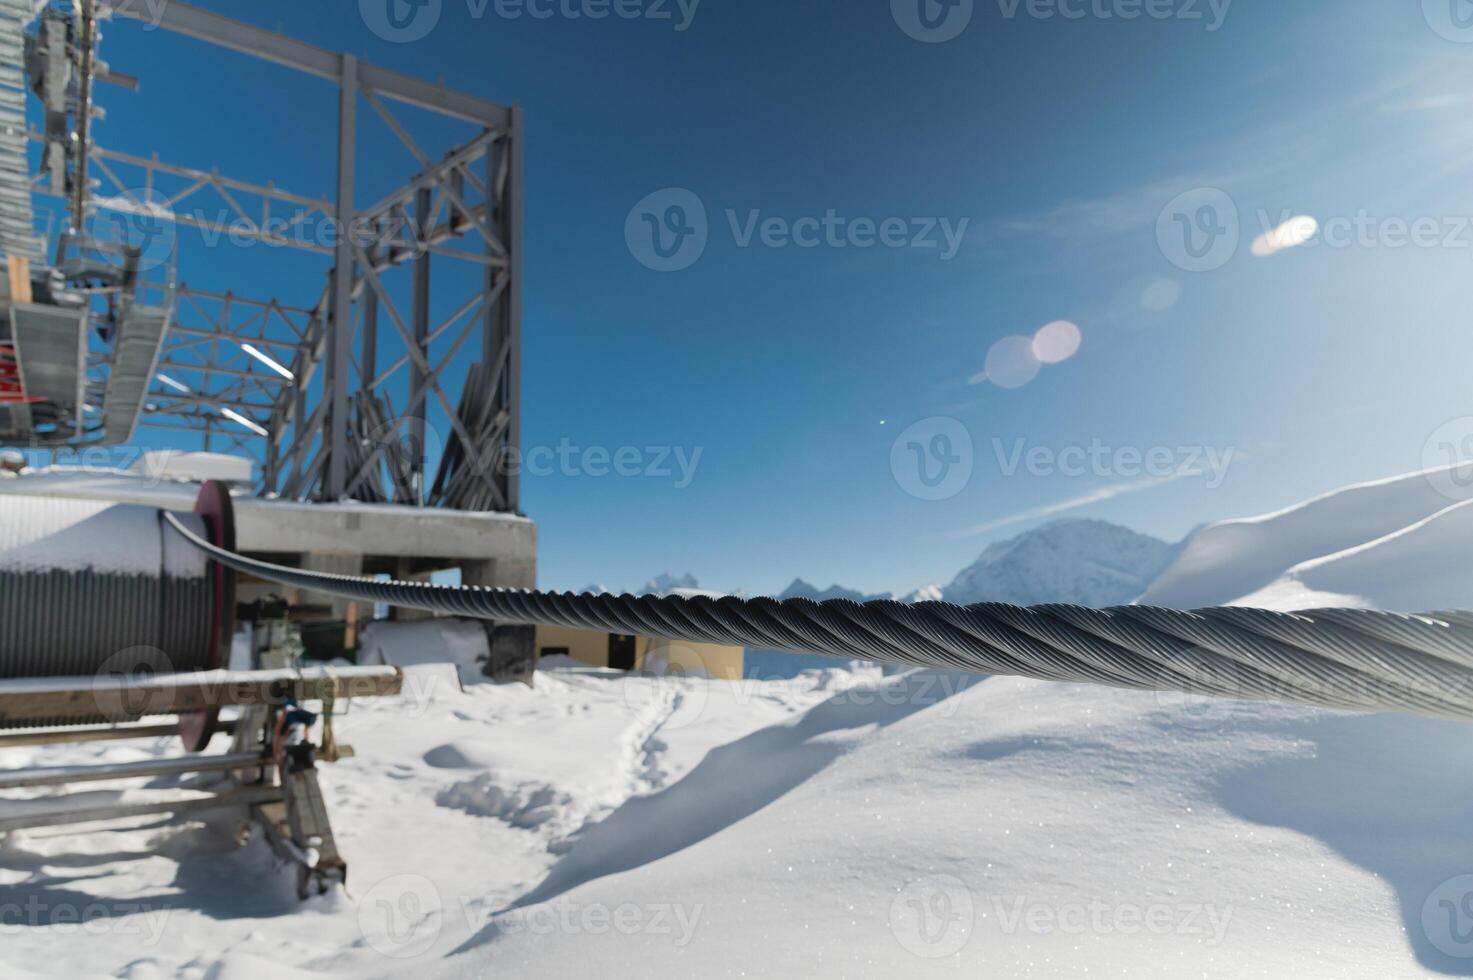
(92, 588)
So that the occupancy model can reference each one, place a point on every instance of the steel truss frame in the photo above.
(327, 425)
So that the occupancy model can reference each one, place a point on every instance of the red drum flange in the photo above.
(196, 728)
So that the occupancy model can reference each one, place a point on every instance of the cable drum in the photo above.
(92, 587)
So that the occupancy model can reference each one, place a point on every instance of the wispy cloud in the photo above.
(1251, 154)
(1107, 217)
(1098, 495)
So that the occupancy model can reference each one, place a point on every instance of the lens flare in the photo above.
(1056, 342)
(1290, 234)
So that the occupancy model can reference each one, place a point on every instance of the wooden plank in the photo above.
(55, 816)
(18, 268)
(124, 698)
(62, 775)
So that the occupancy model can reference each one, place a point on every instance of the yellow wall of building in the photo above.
(661, 656)
(722, 663)
(583, 646)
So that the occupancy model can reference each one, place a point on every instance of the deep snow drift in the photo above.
(848, 822)
(1396, 544)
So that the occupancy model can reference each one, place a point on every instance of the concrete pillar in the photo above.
(334, 564)
(406, 573)
(513, 648)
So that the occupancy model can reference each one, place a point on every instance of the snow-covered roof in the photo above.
(289, 526)
(170, 464)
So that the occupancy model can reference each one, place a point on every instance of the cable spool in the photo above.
(91, 588)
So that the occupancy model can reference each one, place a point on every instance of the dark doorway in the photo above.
(621, 652)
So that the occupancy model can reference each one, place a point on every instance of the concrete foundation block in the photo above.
(513, 654)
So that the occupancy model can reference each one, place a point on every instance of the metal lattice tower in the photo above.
(355, 391)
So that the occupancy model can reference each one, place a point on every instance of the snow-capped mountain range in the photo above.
(665, 584)
(1399, 544)
(1089, 562)
(803, 590)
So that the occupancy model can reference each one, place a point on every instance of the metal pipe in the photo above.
(88, 42)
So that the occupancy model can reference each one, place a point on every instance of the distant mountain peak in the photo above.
(804, 590)
(665, 584)
(1087, 562)
(926, 593)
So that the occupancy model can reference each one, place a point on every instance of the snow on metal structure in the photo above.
(423, 412)
(91, 589)
(269, 776)
(107, 617)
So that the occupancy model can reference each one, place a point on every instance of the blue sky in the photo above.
(1056, 143)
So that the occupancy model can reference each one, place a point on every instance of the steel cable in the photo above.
(1353, 659)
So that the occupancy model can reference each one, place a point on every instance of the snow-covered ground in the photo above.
(845, 823)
